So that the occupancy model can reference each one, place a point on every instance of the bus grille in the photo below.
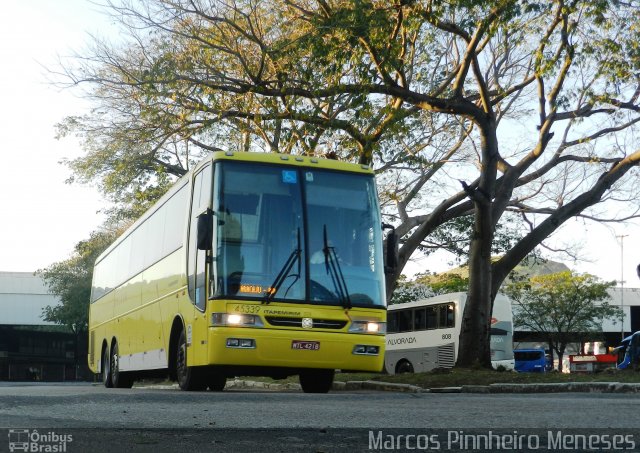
(446, 355)
(297, 322)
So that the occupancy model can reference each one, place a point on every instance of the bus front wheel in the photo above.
(316, 381)
(404, 367)
(118, 378)
(189, 378)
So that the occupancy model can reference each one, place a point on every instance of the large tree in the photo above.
(564, 307)
(532, 106)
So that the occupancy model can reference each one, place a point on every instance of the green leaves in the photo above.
(563, 306)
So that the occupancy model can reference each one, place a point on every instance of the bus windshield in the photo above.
(296, 235)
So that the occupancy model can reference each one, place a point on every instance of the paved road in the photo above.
(153, 419)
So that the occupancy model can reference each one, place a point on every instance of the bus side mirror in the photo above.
(391, 253)
(205, 230)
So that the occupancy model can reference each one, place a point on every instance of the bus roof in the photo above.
(442, 298)
(460, 297)
(288, 159)
(628, 339)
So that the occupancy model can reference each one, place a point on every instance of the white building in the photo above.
(31, 348)
(23, 296)
(629, 301)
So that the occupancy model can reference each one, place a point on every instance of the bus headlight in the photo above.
(373, 327)
(235, 320)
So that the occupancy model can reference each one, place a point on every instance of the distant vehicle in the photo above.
(530, 360)
(591, 363)
(629, 352)
(423, 335)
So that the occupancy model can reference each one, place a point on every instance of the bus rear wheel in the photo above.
(404, 367)
(106, 368)
(316, 381)
(189, 378)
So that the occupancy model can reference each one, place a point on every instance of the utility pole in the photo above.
(622, 236)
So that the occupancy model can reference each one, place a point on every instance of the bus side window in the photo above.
(420, 319)
(432, 318)
(442, 316)
(451, 315)
(392, 322)
(197, 258)
(404, 320)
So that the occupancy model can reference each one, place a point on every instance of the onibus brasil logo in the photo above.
(33, 441)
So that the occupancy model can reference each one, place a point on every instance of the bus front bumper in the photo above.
(295, 349)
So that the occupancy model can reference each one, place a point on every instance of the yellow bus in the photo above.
(251, 265)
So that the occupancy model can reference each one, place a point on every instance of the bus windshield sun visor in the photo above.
(332, 265)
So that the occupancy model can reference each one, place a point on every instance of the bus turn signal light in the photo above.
(363, 349)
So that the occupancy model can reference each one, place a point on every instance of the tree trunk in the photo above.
(475, 347)
(560, 351)
(560, 356)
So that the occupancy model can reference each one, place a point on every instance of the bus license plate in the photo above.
(306, 345)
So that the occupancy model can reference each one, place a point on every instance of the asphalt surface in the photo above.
(247, 420)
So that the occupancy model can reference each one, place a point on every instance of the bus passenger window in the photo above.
(432, 318)
(404, 320)
(451, 315)
(419, 319)
(442, 316)
(392, 322)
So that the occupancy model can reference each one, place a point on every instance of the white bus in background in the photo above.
(424, 334)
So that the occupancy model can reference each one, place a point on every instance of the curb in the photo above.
(573, 387)
(380, 386)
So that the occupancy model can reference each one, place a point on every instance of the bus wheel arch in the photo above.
(189, 378)
(176, 329)
(404, 366)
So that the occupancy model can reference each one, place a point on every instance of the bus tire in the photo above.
(216, 382)
(404, 366)
(316, 381)
(189, 378)
(119, 379)
(106, 368)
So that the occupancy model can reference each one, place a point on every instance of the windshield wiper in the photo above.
(332, 265)
(284, 272)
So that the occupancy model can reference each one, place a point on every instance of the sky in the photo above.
(42, 217)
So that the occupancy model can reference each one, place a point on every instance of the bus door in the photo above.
(196, 324)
